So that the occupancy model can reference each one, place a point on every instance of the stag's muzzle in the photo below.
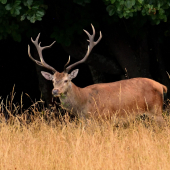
(55, 93)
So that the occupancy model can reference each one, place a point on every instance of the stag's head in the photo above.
(61, 81)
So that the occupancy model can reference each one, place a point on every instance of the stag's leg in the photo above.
(156, 115)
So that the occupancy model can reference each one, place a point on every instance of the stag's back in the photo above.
(137, 95)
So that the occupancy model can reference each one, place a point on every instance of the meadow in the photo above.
(35, 139)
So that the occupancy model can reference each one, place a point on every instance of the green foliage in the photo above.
(35, 10)
(16, 15)
(14, 11)
(3, 1)
(156, 10)
(82, 2)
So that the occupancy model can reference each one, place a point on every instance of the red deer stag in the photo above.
(136, 95)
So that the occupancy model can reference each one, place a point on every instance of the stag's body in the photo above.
(132, 96)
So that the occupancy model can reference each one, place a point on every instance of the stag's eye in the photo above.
(65, 81)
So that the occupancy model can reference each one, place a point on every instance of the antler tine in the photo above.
(39, 49)
(29, 54)
(66, 64)
(90, 47)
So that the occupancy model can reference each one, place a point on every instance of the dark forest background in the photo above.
(135, 43)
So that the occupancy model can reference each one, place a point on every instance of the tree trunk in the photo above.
(97, 76)
(135, 65)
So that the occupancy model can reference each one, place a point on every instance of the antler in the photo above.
(39, 49)
(90, 47)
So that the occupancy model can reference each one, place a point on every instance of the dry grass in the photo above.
(40, 142)
(94, 146)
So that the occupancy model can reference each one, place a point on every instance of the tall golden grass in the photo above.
(35, 140)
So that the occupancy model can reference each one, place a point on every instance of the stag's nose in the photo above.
(55, 92)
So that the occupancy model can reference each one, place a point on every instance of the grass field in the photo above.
(41, 142)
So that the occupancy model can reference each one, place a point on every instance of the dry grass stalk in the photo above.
(36, 140)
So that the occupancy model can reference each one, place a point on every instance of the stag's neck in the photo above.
(74, 99)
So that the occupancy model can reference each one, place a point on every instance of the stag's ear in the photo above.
(46, 75)
(73, 74)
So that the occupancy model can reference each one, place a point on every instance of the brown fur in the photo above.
(59, 76)
(132, 96)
